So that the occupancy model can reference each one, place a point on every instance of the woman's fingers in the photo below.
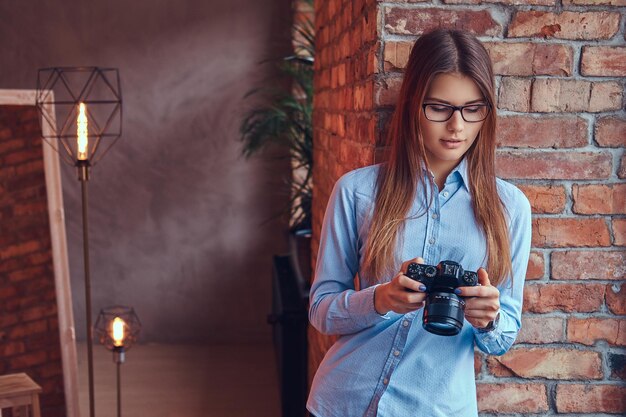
(405, 264)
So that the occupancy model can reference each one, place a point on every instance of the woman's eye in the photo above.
(473, 109)
(439, 108)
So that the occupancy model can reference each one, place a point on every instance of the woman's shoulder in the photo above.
(360, 180)
(513, 198)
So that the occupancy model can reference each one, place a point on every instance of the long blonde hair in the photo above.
(440, 51)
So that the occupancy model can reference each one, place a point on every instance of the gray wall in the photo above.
(176, 215)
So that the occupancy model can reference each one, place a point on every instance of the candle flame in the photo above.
(82, 132)
(118, 326)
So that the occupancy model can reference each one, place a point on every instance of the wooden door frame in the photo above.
(60, 258)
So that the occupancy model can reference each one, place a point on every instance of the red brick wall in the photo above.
(29, 331)
(560, 73)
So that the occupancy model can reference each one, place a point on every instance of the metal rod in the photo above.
(119, 390)
(83, 180)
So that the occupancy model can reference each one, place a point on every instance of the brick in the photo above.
(599, 199)
(561, 95)
(621, 173)
(403, 21)
(590, 330)
(49, 370)
(28, 360)
(19, 157)
(8, 319)
(478, 363)
(512, 398)
(606, 96)
(39, 312)
(525, 59)
(605, 265)
(545, 199)
(48, 342)
(557, 165)
(19, 249)
(595, 2)
(610, 132)
(10, 145)
(29, 167)
(386, 91)
(514, 94)
(603, 61)
(616, 299)
(7, 292)
(570, 232)
(617, 364)
(28, 329)
(12, 349)
(565, 25)
(586, 398)
(619, 232)
(581, 298)
(396, 54)
(512, 2)
(543, 132)
(27, 273)
(540, 329)
(536, 266)
(551, 363)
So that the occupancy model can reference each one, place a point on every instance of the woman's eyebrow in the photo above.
(478, 100)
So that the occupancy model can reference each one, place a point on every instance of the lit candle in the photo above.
(82, 132)
(118, 331)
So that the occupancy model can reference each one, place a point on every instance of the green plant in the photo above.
(284, 118)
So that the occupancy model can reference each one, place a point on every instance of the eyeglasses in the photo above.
(443, 112)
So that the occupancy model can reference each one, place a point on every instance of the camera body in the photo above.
(443, 309)
(446, 276)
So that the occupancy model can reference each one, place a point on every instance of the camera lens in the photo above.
(443, 313)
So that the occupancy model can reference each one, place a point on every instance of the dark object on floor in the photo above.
(290, 301)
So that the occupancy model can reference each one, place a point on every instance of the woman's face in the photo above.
(446, 142)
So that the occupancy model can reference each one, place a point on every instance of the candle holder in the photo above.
(117, 328)
(81, 108)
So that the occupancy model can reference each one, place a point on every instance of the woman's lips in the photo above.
(451, 143)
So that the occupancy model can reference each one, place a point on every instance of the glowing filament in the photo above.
(82, 132)
(118, 326)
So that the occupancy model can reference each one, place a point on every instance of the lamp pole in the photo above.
(63, 94)
(83, 176)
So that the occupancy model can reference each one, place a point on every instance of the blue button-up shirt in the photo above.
(388, 365)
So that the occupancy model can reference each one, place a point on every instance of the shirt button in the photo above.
(405, 323)
(385, 381)
(435, 216)
(396, 353)
(446, 194)
(431, 241)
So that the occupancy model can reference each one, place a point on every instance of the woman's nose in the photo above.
(456, 122)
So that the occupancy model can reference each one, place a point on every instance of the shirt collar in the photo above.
(458, 174)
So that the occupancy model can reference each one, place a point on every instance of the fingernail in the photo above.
(457, 291)
(422, 288)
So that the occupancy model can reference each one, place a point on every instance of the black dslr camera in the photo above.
(443, 310)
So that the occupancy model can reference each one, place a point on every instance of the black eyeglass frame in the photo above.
(455, 108)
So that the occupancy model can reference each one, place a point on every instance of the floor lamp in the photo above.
(117, 329)
(82, 107)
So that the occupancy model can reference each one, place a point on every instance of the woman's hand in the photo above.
(482, 302)
(401, 294)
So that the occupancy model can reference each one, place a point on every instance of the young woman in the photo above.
(435, 199)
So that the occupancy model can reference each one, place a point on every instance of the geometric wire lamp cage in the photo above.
(117, 328)
(82, 108)
(80, 100)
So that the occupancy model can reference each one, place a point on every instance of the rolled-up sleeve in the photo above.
(336, 308)
(499, 340)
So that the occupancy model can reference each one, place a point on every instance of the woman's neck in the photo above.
(441, 171)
